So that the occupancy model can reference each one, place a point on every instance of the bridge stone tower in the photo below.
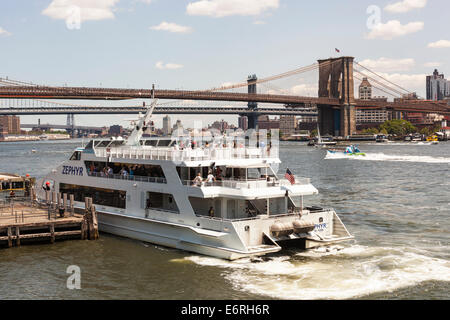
(252, 117)
(336, 81)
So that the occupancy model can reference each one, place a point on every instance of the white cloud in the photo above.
(411, 82)
(222, 8)
(304, 89)
(393, 29)
(172, 27)
(3, 32)
(88, 9)
(439, 44)
(432, 64)
(405, 6)
(171, 66)
(388, 64)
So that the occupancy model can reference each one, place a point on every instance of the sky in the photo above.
(201, 44)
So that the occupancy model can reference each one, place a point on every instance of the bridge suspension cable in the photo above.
(379, 88)
(385, 86)
(382, 77)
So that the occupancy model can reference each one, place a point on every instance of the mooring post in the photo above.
(52, 232)
(18, 235)
(9, 237)
(71, 205)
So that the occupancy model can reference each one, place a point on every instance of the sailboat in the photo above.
(323, 142)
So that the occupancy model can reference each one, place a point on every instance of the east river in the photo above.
(395, 201)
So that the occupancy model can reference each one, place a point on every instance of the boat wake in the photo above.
(385, 157)
(343, 273)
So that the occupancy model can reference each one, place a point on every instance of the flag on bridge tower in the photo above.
(337, 50)
(288, 175)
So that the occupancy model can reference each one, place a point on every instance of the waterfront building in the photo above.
(264, 122)
(288, 125)
(167, 130)
(10, 124)
(371, 116)
(115, 130)
(220, 125)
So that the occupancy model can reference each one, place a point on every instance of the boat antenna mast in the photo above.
(142, 123)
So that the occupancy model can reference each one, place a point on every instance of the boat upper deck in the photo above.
(171, 150)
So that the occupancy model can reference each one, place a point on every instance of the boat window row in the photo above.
(117, 170)
(11, 185)
(194, 175)
(233, 209)
(100, 196)
(118, 143)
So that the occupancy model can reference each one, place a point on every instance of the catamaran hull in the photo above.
(173, 236)
(218, 244)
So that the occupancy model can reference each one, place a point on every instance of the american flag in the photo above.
(288, 175)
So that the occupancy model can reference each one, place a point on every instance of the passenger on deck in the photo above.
(210, 178)
(198, 180)
(211, 212)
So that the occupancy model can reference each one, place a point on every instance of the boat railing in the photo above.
(187, 154)
(246, 183)
(128, 177)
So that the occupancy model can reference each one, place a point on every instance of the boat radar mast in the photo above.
(142, 123)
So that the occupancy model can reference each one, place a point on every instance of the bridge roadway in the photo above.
(158, 110)
(84, 93)
(59, 126)
(41, 92)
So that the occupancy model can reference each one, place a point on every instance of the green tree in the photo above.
(370, 131)
(398, 127)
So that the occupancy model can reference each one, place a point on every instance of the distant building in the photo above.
(220, 125)
(115, 130)
(167, 130)
(264, 122)
(365, 90)
(288, 124)
(177, 126)
(10, 124)
(437, 86)
(243, 123)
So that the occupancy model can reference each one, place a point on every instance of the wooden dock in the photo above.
(26, 221)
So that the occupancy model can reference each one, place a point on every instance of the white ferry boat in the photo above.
(154, 190)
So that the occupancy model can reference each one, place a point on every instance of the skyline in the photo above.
(204, 44)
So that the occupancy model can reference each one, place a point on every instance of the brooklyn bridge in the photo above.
(335, 101)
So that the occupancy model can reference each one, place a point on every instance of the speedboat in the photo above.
(221, 198)
(351, 150)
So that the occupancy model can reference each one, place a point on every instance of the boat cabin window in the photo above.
(17, 185)
(89, 145)
(100, 196)
(102, 143)
(151, 143)
(161, 201)
(76, 155)
(164, 143)
(143, 170)
(116, 143)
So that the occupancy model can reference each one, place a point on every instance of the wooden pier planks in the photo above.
(36, 225)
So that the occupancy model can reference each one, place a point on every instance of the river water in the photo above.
(395, 201)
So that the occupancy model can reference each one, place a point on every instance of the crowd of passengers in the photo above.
(124, 170)
(193, 145)
(218, 175)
